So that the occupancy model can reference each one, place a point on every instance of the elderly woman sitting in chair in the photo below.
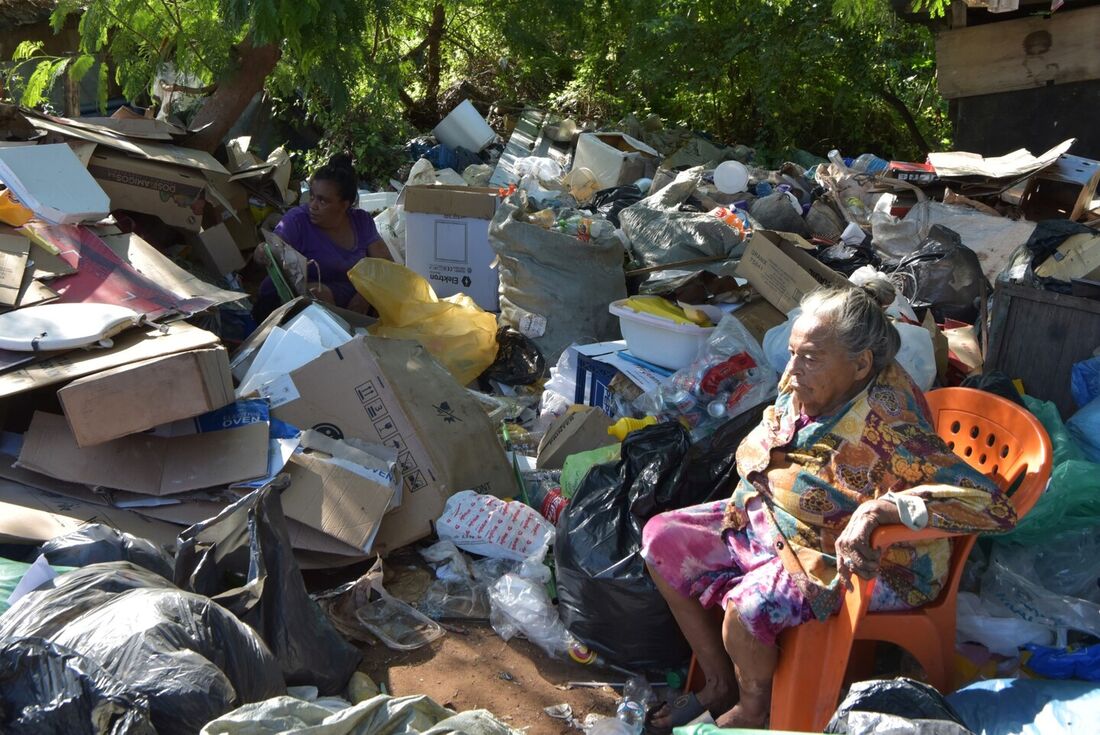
(847, 447)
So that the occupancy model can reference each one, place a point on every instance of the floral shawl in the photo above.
(810, 479)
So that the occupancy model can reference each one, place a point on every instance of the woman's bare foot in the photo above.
(741, 716)
(717, 696)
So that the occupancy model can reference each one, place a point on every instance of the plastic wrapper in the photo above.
(1000, 633)
(243, 559)
(903, 698)
(555, 288)
(1006, 591)
(48, 689)
(1065, 563)
(97, 543)
(943, 275)
(489, 526)
(606, 597)
(519, 360)
(48, 609)
(1085, 381)
(660, 234)
(729, 376)
(521, 605)
(191, 658)
(456, 331)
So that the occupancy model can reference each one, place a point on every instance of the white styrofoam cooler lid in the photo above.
(63, 326)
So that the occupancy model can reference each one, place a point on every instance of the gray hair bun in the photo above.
(881, 290)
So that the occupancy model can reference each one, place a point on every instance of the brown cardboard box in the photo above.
(130, 346)
(175, 194)
(144, 463)
(216, 249)
(139, 396)
(758, 317)
(392, 392)
(778, 265)
(337, 489)
(580, 429)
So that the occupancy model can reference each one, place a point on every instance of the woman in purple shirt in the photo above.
(333, 235)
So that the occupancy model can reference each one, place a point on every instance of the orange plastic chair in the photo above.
(996, 437)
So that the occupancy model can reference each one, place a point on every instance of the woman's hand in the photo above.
(322, 293)
(260, 256)
(854, 553)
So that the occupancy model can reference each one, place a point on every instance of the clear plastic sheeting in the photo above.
(661, 234)
(522, 606)
(48, 689)
(188, 655)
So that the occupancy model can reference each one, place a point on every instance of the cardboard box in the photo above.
(614, 158)
(758, 317)
(175, 194)
(580, 429)
(14, 250)
(447, 240)
(391, 392)
(216, 249)
(780, 268)
(145, 463)
(139, 396)
(338, 490)
(130, 346)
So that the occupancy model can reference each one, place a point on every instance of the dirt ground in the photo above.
(477, 670)
(471, 667)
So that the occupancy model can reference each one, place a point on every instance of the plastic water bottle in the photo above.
(632, 710)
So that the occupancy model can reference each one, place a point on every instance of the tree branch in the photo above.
(907, 117)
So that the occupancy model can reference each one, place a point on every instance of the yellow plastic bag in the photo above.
(12, 212)
(456, 331)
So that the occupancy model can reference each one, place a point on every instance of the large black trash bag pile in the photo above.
(95, 543)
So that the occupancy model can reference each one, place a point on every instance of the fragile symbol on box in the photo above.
(415, 480)
(406, 462)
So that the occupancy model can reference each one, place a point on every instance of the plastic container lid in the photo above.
(731, 177)
(582, 184)
(63, 326)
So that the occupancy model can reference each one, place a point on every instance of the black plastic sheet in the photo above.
(97, 543)
(900, 697)
(243, 560)
(47, 689)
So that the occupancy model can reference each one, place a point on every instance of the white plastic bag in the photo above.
(1001, 635)
(521, 605)
(483, 524)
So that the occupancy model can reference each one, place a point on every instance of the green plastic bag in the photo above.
(1065, 447)
(1071, 502)
(10, 574)
(577, 466)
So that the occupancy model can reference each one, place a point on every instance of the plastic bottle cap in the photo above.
(731, 177)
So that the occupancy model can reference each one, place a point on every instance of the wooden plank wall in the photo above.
(1019, 54)
(1037, 335)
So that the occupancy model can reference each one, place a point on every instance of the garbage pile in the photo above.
(574, 333)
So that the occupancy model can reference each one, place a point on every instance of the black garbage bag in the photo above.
(242, 559)
(997, 383)
(189, 656)
(930, 712)
(605, 595)
(96, 543)
(847, 259)
(66, 597)
(609, 202)
(519, 360)
(943, 275)
(48, 689)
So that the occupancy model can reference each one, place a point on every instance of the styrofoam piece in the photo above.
(52, 182)
(63, 326)
(659, 341)
(731, 177)
(464, 128)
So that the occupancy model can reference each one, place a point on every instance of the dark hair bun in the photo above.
(342, 161)
(881, 290)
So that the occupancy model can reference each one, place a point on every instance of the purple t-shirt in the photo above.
(331, 260)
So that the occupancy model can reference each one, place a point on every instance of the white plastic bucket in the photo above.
(659, 341)
(464, 128)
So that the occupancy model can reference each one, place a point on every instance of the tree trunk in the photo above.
(222, 110)
(434, 39)
(907, 117)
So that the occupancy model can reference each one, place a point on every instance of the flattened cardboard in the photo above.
(779, 267)
(130, 346)
(217, 250)
(175, 194)
(132, 398)
(391, 392)
(30, 514)
(14, 251)
(144, 463)
(331, 496)
(447, 240)
(580, 429)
